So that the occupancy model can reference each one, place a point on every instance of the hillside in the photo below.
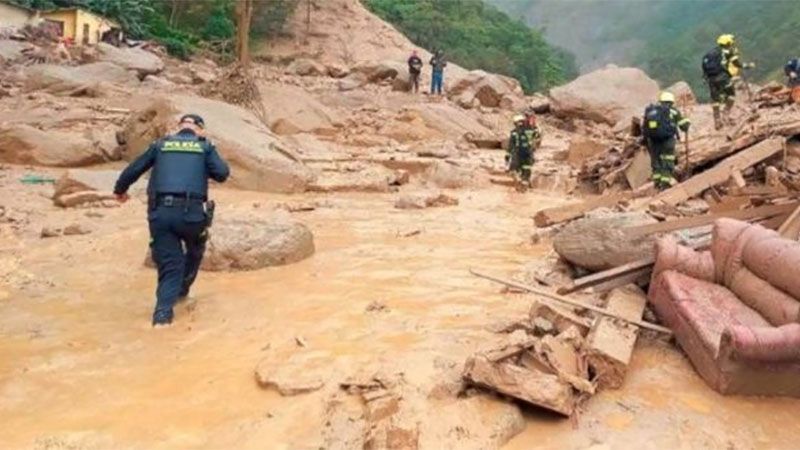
(665, 38)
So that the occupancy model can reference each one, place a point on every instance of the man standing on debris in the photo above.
(521, 144)
(414, 70)
(721, 67)
(179, 212)
(792, 71)
(438, 63)
(660, 129)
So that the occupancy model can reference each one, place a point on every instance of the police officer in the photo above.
(177, 207)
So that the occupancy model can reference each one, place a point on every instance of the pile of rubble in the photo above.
(557, 358)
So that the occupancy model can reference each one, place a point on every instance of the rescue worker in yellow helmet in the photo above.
(521, 145)
(660, 129)
(721, 67)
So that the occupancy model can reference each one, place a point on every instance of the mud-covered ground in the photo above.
(387, 291)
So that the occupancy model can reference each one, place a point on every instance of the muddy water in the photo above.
(81, 368)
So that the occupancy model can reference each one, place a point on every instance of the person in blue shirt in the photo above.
(178, 208)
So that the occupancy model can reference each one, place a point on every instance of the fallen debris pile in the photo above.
(557, 358)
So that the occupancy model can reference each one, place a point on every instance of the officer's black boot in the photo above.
(162, 317)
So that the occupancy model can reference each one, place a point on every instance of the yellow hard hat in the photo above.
(666, 97)
(519, 118)
(725, 39)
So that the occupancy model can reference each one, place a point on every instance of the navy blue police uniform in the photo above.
(177, 194)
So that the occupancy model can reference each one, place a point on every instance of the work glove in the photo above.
(750, 65)
(792, 75)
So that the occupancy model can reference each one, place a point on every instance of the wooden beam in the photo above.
(559, 214)
(600, 277)
(699, 221)
(721, 172)
(571, 302)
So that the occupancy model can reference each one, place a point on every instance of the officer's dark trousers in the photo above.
(178, 242)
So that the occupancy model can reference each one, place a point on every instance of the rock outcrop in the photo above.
(306, 67)
(259, 159)
(24, 144)
(486, 89)
(608, 95)
(136, 59)
(66, 80)
(292, 110)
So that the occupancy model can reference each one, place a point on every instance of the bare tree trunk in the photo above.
(244, 17)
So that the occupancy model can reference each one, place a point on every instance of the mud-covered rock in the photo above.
(306, 67)
(607, 95)
(425, 200)
(684, 96)
(488, 89)
(253, 243)
(376, 71)
(600, 242)
(24, 144)
(259, 159)
(79, 186)
(291, 110)
(141, 61)
(87, 79)
(449, 176)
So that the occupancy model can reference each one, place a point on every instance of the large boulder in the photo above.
(253, 243)
(376, 71)
(306, 67)
(260, 160)
(487, 89)
(432, 121)
(141, 61)
(600, 242)
(608, 95)
(446, 175)
(352, 81)
(66, 80)
(242, 243)
(292, 110)
(684, 95)
(23, 144)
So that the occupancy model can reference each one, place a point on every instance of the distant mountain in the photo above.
(667, 38)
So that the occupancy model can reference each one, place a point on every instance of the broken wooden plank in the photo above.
(699, 221)
(610, 343)
(600, 277)
(790, 228)
(721, 172)
(639, 172)
(569, 301)
(532, 386)
(559, 214)
(737, 179)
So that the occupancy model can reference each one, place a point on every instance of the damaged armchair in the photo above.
(734, 309)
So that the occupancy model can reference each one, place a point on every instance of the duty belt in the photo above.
(169, 200)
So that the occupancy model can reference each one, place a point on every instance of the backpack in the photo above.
(712, 63)
(658, 124)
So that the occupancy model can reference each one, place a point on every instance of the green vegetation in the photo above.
(765, 30)
(667, 38)
(181, 25)
(479, 36)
